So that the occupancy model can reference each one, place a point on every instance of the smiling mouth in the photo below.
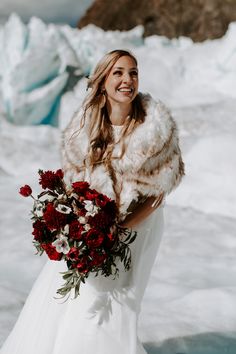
(127, 90)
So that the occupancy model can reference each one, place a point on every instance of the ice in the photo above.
(43, 61)
(189, 306)
(91, 42)
(183, 69)
(39, 63)
(58, 11)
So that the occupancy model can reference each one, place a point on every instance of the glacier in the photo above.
(189, 305)
(39, 62)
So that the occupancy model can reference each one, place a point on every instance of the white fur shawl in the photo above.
(152, 163)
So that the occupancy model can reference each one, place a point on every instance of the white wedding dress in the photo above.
(102, 320)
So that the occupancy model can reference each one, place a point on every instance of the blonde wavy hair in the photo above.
(100, 129)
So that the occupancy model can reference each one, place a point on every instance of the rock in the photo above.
(197, 19)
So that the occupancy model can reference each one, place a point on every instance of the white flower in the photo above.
(91, 208)
(64, 209)
(61, 244)
(38, 209)
(82, 220)
(74, 195)
(61, 197)
(47, 197)
(66, 230)
(87, 227)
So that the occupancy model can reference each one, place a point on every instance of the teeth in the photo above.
(125, 90)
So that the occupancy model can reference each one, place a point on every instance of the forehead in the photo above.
(125, 62)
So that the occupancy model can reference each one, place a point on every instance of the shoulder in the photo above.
(157, 127)
(158, 115)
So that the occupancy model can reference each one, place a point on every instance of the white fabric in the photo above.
(102, 320)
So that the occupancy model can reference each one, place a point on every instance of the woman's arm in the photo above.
(142, 211)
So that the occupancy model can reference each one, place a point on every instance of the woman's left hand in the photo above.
(142, 211)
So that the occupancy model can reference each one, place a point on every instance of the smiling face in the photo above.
(121, 85)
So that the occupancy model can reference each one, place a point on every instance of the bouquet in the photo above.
(78, 225)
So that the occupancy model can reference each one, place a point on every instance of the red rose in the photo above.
(110, 240)
(51, 252)
(111, 209)
(73, 254)
(80, 187)
(75, 230)
(83, 264)
(25, 191)
(91, 194)
(59, 173)
(53, 218)
(102, 200)
(40, 231)
(101, 220)
(50, 180)
(97, 258)
(94, 238)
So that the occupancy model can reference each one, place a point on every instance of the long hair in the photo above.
(100, 129)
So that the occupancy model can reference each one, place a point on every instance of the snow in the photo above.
(189, 306)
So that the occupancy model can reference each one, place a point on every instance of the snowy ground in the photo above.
(189, 306)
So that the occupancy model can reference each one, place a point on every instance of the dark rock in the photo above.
(198, 19)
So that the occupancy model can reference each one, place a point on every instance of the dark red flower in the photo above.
(80, 187)
(110, 240)
(59, 173)
(102, 200)
(83, 264)
(53, 218)
(40, 231)
(51, 252)
(75, 230)
(94, 238)
(111, 209)
(50, 180)
(97, 258)
(73, 254)
(101, 220)
(91, 194)
(25, 191)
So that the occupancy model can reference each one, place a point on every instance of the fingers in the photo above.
(157, 202)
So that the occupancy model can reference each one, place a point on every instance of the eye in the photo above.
(134, 73)
(117, 72)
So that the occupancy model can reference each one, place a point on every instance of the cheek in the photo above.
(111, 84)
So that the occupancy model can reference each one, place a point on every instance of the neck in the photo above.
(118, 113)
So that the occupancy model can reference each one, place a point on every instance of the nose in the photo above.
(127, 78)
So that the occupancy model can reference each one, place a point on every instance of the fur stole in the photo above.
(152, 162)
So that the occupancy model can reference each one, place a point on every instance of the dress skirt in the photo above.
(102, 320)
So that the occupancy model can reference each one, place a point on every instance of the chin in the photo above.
(127, 99)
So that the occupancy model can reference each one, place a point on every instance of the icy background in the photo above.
(59, 11)
(190, 303)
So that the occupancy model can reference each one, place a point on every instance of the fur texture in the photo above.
(152, 163)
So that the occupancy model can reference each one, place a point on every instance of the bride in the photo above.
(125, 144)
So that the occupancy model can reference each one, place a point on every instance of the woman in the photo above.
(126, 146)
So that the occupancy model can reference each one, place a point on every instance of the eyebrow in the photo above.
(120, 67)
